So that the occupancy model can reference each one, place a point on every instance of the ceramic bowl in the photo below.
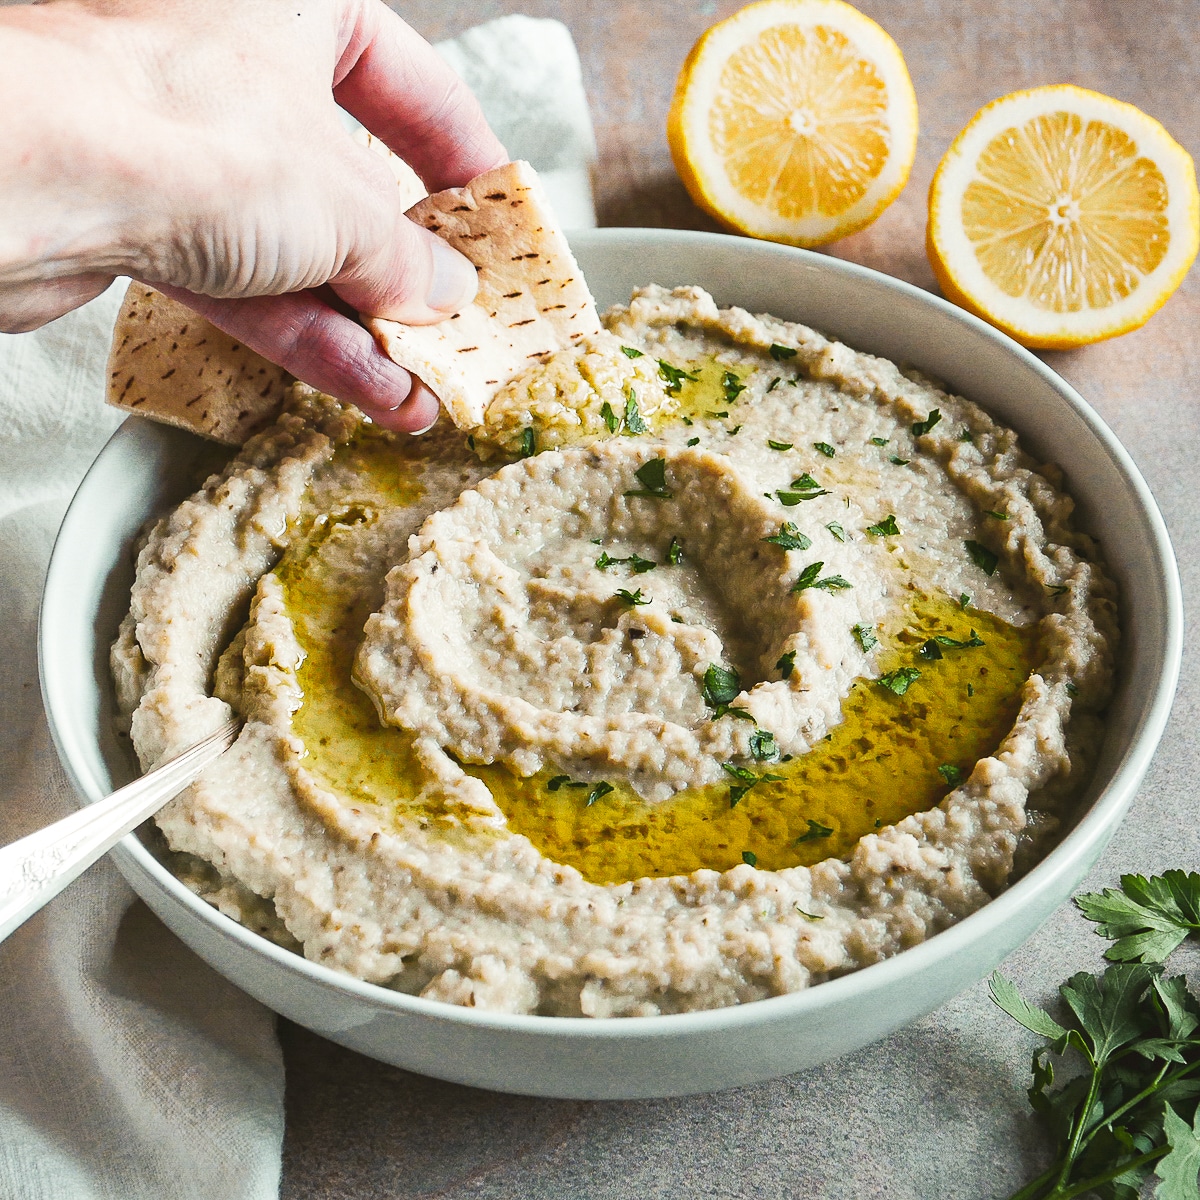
(146, 467)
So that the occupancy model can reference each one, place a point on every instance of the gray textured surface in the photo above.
(938, 1110)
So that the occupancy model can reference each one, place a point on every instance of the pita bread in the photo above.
(174, 366)
(532, 298)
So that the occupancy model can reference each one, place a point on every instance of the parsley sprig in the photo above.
(1134, 1109)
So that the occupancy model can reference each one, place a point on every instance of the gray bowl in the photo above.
(146, 467)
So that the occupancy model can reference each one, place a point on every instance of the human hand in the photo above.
(198, 148)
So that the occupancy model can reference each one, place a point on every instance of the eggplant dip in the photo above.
(717, 660)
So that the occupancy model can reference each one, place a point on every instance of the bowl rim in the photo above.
(1088, 834)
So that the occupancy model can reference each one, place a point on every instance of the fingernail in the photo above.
(454, 281)
(418, 432)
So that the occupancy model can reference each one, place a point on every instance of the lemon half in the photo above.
(1063, 216)
(794, 120)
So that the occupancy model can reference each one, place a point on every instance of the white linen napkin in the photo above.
(128, 1069)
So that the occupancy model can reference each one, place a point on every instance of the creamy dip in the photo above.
(721, 660)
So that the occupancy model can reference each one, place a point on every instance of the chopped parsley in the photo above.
(837, 531)
(970, 690)
(930, 651)
(610, 418)
(809, 578)
(789, 538)
(599, 791)
(814, 832)
(1072, 689)
(746, 779)
(1059, 589)
(956, 644)
(735, 430)
(742, 774)
(885, 528)
(779, 353)
(966, 436)
(693, 441)
(866, 636)
(633, 418)
(674, 552)
(718, 416)
(779, 445)
(897, 461)
(951, 774)
(807, 915)
(732, 386)
(880, 441)
(763, 745)
(805, 483)
(824, 448)
(675, 378)
(786, 664)
(921, 427)
(982, 557)
(527, 446)
(722, 686)
(899, 681)
(750, 858)
(639, 564)
(633, 599)
(991, 512)
(964, 599)
(774, 384)
(653, 478)
(630, 352)
(557, 782)
(805, 487)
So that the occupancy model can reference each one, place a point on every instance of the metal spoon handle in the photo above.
(36, 868)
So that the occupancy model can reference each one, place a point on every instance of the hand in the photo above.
(198, 147)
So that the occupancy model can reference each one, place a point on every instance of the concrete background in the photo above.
(939, 1109)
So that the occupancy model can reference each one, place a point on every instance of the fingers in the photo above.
(324, 349)
(32, 305)
(393, 81)
(413, 277)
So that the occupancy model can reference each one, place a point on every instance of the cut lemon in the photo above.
(794, 120)
(1063, 216)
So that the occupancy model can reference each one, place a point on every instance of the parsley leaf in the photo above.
(789, 538)
(653, 478)
(866, 636)
(633, 418)
(921, 427)
(814, 832)
(527, 446)
(732, 386)
(951, 774)
(877, 441)
(763, 745)
(639, 564)
(808, 578)
(674, 553)
(837, 531)
(610, 418)
(897, 461)
(805, 483)
(1147, 917)
(633, 599)
(722, 685)
(786, 664)
(982, 557)
(930, 650)
(779, 353)
(693, 441)
(749, 858)
(675, 378)
(557, 782)
(742, 774)
(899, 681)
(774, 384)
(824, 448)
(991, 512)
(780, 445)
(598, 791)
(885, 528)
(956, 644)
(630, 352)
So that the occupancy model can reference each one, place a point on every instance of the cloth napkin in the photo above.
(128, 1069)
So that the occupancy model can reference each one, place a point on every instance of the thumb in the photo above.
(414, 277)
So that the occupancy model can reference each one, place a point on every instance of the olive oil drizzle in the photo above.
(878, 766)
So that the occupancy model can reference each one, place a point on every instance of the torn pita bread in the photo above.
(170, 364)
(407, 180)
(532, 298)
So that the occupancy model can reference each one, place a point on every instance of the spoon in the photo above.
(36, 868)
